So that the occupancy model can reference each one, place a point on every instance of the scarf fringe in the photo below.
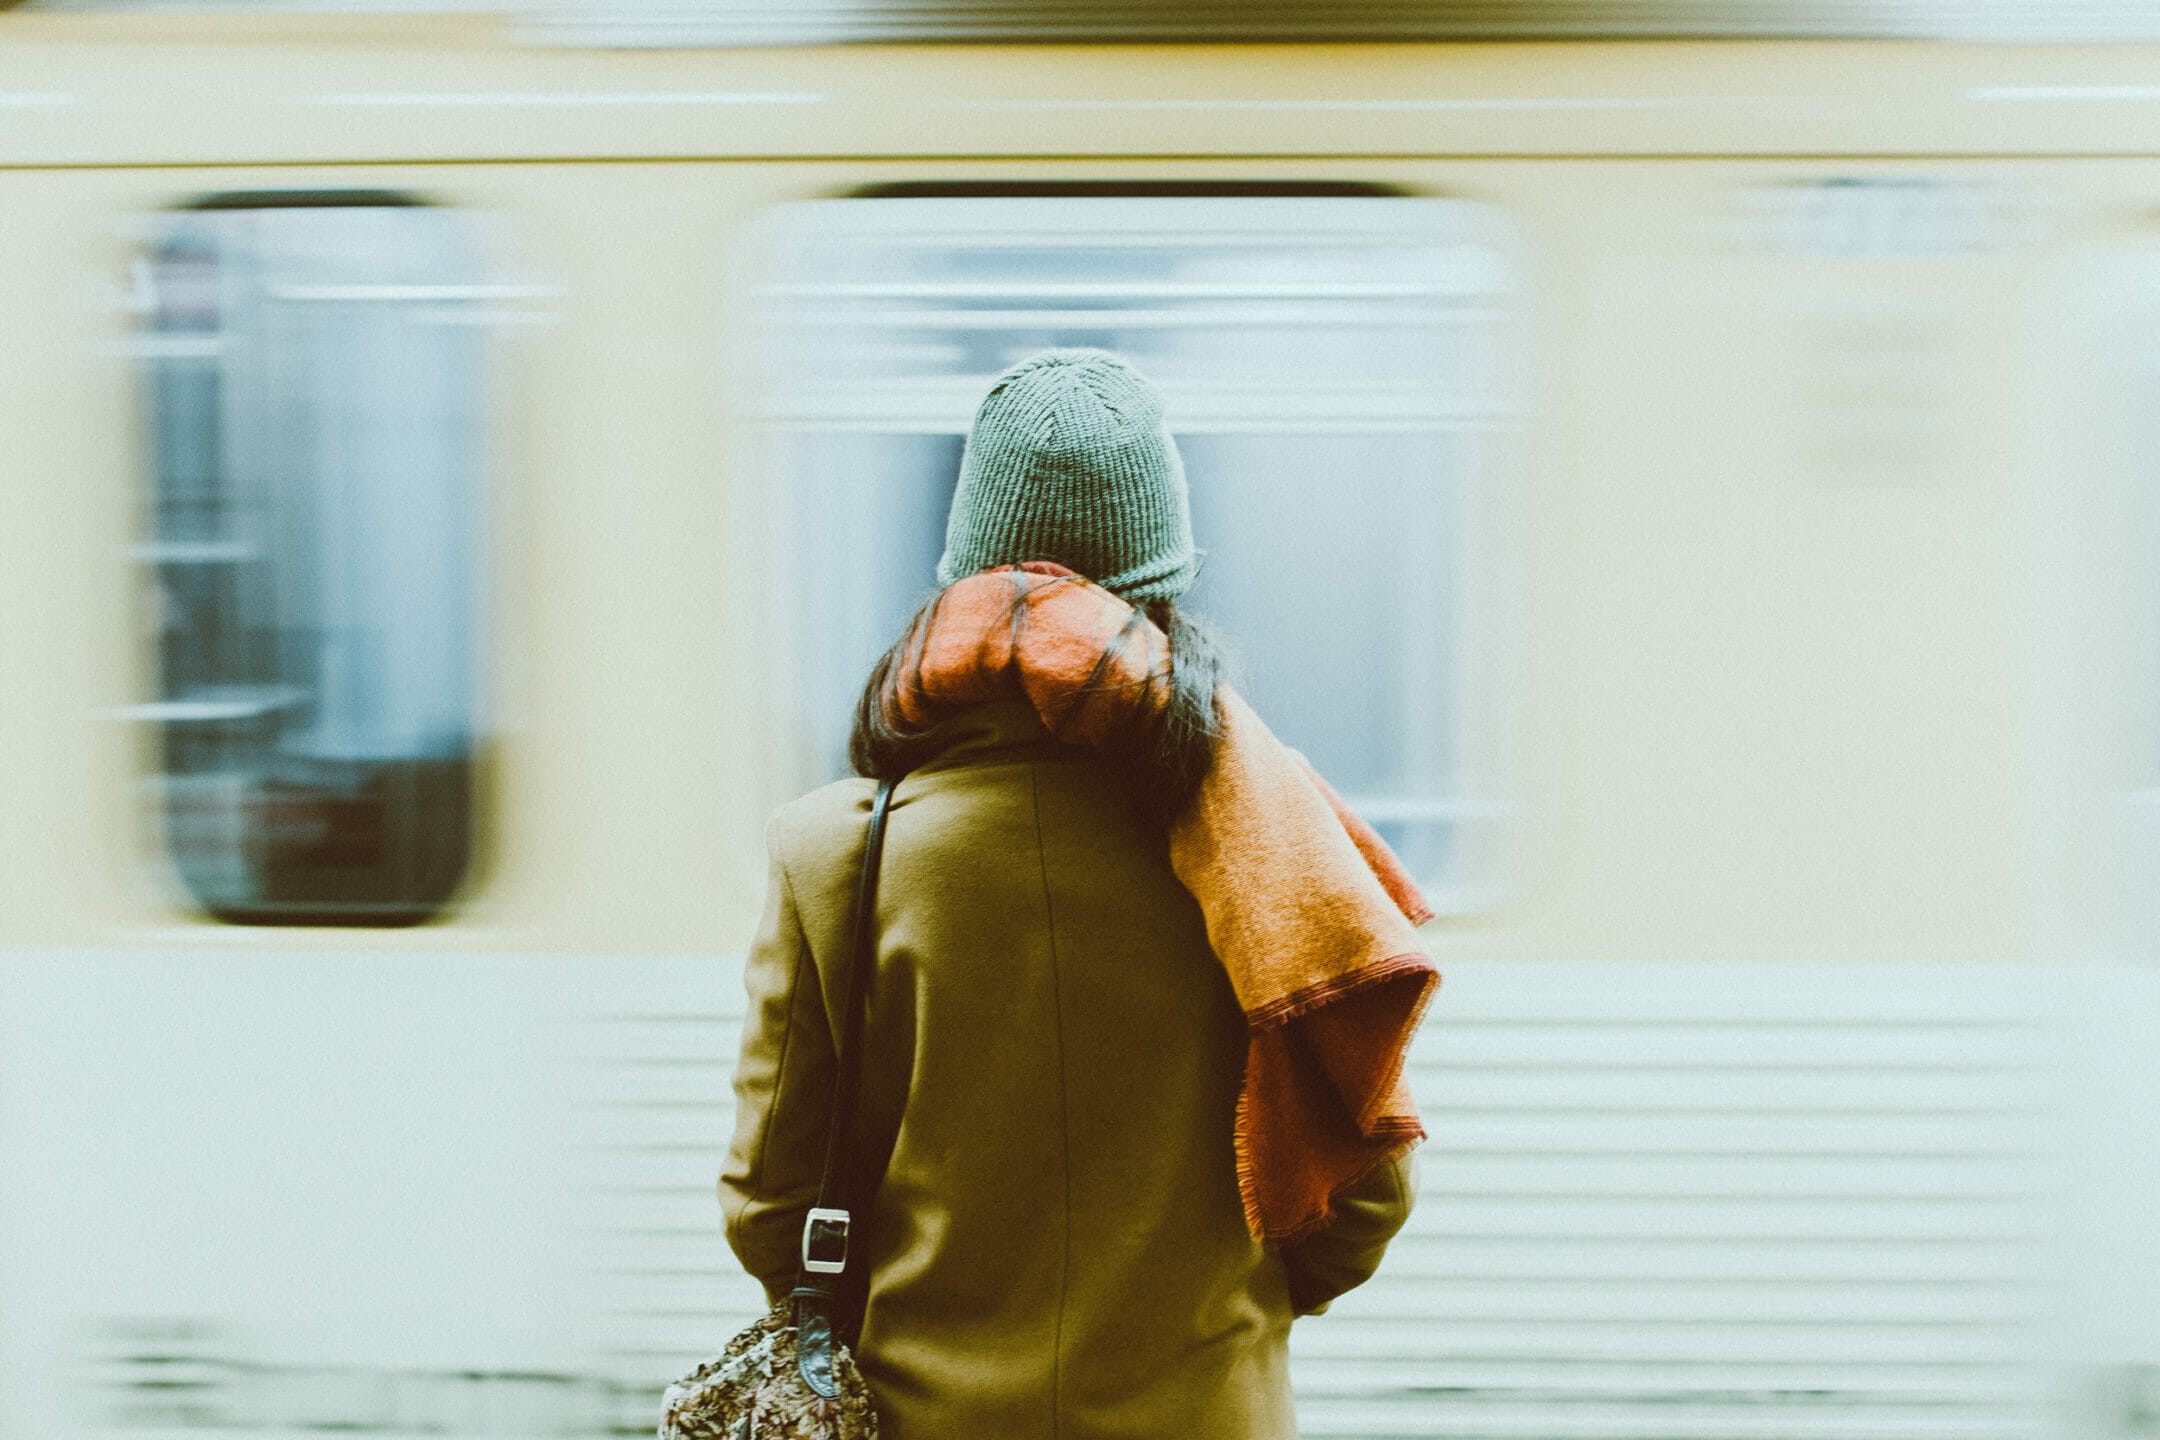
(1314, 1221)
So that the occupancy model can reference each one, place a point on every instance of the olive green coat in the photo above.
(1057, 1246)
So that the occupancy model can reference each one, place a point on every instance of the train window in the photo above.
(1337, 369)
(311, 552)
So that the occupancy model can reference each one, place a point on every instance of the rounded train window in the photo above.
(1339, 367)
(311, 552)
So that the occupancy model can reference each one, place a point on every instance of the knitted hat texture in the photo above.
(1068, 461)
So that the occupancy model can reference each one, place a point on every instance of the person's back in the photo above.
(1057, 1247)
(1047, 1150)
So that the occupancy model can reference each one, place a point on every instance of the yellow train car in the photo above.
(1699, 499)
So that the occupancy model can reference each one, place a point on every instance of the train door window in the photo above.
(1337, 370)
(311, 552)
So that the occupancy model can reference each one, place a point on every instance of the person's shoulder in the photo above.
(829, 819)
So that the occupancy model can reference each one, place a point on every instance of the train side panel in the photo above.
(1788, 1086)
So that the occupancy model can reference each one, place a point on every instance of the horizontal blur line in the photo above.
(1616, 102)
(1526, 1022)
(1931, 1026)
(1438, 1146)
(543, 100)
(606, 1062)
(1765, 1112)
(1454, 1067)
(1435, 1193)
(1701, 1282)
(1512, 1277)
(1643, 1401)
(1836, 1245)
(1752, 1022)
(1492, 422)
(1469, 1401)
(1112, 289)
(1848, 155)
(401, 294)
(1990, 1240)
(1439, 1070)
(2064, 92)
(1434, 315)
(1738, 1196)
(1891, 1369)
(659, 1232)
(1733, 1066)
(28, 101)
(1738, 1322)
(1882, 1369)
(604, 1065)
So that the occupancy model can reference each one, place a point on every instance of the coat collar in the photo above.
(981, 731)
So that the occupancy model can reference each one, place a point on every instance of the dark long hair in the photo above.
(1164, 760)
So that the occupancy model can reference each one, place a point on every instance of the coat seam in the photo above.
(1057, 1016)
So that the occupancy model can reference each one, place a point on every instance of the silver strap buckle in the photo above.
(825, 1241)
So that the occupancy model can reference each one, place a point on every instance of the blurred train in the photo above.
(1699, 499)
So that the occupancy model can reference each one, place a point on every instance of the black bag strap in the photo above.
(826, 1250)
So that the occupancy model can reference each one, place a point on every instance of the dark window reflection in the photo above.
(314, 386)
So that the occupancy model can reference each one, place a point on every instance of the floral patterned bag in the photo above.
(756, 1389)
(788, 1376)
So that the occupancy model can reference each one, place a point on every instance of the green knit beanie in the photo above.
(1068, 461)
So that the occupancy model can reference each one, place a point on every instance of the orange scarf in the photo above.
(1309, 912)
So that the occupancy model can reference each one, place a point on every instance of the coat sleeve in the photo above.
(1345, 1254)
(783, 1094)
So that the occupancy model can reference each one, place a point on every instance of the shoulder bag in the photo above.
(788, 1375)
